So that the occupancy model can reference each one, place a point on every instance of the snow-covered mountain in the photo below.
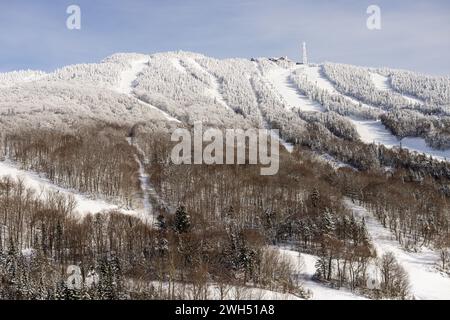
(312, 231)
(375, 105)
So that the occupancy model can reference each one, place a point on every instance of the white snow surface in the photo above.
(314, 76)
(426, 282)
(383, 83)
(43, 186)
(176, 63)
(128, 80)
(373, 131)
(305, 265)
(280, 79)
(287, 145)
(128, 76)
(370, 131)
(231, 292)
(214, 91)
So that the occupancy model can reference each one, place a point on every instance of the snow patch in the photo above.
(280, 79)
(373, 131)
(383, 83)
(214, 91)
(305, 265)
(426, 282)
(43, 186)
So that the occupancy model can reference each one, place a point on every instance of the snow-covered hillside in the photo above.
(427, 283)
(186, 87)
(43, 188)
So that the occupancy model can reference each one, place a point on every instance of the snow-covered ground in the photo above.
(214, 91)
(127, 83)
(336, 164)
(370, 131)
(383, 83)
(13, 78)
(177, 65)
(212, 292)
(149, 193)
(280, 79)
(128, 76)
(380, 82)
(373, 131)
(426, 281)
(43, 186)
(314, 75)
(288, 146)
(305, 265)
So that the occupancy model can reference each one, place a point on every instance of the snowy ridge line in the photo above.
(84, 205)
(426, 282)
(13, 78)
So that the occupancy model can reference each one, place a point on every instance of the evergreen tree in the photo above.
(182, 222)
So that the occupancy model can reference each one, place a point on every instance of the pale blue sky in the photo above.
(415, 35)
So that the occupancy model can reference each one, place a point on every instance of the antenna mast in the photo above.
(305, 56)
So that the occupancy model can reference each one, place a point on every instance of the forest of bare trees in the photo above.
(220, 219)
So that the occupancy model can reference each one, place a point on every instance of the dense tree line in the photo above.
(224, 216)
(356, 82)
(408, 123)
(76, 159)
(433, 90)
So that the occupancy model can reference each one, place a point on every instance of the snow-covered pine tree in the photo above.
(182, 222)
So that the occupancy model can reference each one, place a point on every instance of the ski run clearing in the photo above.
(127, 83)
(426, 282)
(214, 90)
(305, 265)
(43, 187)
(279, 78)
(383, 83)
(370, 131)
(128, 77)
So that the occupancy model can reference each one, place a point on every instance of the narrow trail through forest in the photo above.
(427, 283)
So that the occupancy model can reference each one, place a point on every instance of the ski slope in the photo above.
(383, 83)
(373, 131)
(129, 76)
(214, 90)
(370, 131)
(43, 187)
(426, 282)
(177, 65)
(314, 75)
(280, 79)
(288, 146)
(305, 265)
(127, 84)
